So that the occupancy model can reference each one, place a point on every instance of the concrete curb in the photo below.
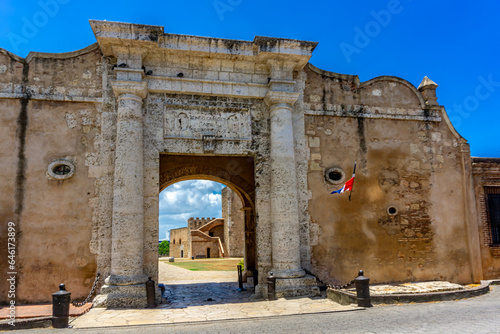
(27, 323)
(347, 298)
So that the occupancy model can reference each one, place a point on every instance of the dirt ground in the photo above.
(170, 274)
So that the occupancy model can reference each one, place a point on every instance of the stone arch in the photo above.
(236, 172)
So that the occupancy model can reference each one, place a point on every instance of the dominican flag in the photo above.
(348, 185)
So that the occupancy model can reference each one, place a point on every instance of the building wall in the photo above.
(486, 173)
(178, 242)
(218, 231)
(234, 223)
(62, 106)
(407, 158)
(199, 248)
(49, 110)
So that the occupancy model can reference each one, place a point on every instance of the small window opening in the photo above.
(61, 169)
(335, 175)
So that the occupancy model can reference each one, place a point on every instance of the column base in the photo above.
(288, 273)
(291, 287)
(122, 296)
(125, 279)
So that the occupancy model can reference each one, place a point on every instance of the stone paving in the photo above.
(188, 293)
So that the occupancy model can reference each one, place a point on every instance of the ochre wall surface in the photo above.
(199, 248)
(405, 163)
(234, 223)
(178, 242)
(53, 217)
(63, 106)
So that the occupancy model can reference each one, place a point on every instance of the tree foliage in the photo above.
(164, 247)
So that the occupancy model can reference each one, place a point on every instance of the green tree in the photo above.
(164, 247)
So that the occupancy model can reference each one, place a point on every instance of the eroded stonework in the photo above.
(142, 109)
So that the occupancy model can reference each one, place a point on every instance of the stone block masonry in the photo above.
(142, 109)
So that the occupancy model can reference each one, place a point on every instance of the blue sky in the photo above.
(456, 44)
(195, 198)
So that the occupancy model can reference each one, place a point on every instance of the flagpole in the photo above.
(353, 172)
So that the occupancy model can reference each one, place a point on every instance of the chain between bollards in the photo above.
(344, 286)
(80, 304)
(61, 301)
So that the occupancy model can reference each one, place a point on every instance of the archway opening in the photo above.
(214, 236)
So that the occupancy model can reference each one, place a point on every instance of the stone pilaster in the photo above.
(284, 205)
(125, 286)
(291, 278)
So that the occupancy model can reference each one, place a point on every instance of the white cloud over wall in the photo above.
(194, 198)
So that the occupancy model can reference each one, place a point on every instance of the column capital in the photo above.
(273, 97)
(139, 88)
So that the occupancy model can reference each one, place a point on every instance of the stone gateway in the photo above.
(89, 138)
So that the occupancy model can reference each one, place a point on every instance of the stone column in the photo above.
(128, 211)
(125, 286)
(284, 204)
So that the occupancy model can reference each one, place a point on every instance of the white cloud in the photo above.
(195, 198)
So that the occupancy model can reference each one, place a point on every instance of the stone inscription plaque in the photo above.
(194, 124)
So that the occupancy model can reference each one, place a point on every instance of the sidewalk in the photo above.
(208, 312)
(197, 296)
(211, 296)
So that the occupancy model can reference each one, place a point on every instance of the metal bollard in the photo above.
(271, 287)
(150, 293)
(363, 290)
(240, 278)
(255, 273)
(60, 307)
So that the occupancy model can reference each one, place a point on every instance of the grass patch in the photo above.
(205, 264)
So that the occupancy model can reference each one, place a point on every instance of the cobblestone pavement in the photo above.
(195, 296)
(477, 315)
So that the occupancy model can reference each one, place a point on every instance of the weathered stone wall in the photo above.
(199, 248)
(217, 231)
(234, 223)
(407, 158)
(50, 109)
(178, 242)
(247, 114)
(486, 173)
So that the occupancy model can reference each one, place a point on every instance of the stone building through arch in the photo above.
(236, 172)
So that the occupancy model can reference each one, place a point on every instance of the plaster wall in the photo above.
(205, 114)
(407, 157)
(49, 110)
(180, 235)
